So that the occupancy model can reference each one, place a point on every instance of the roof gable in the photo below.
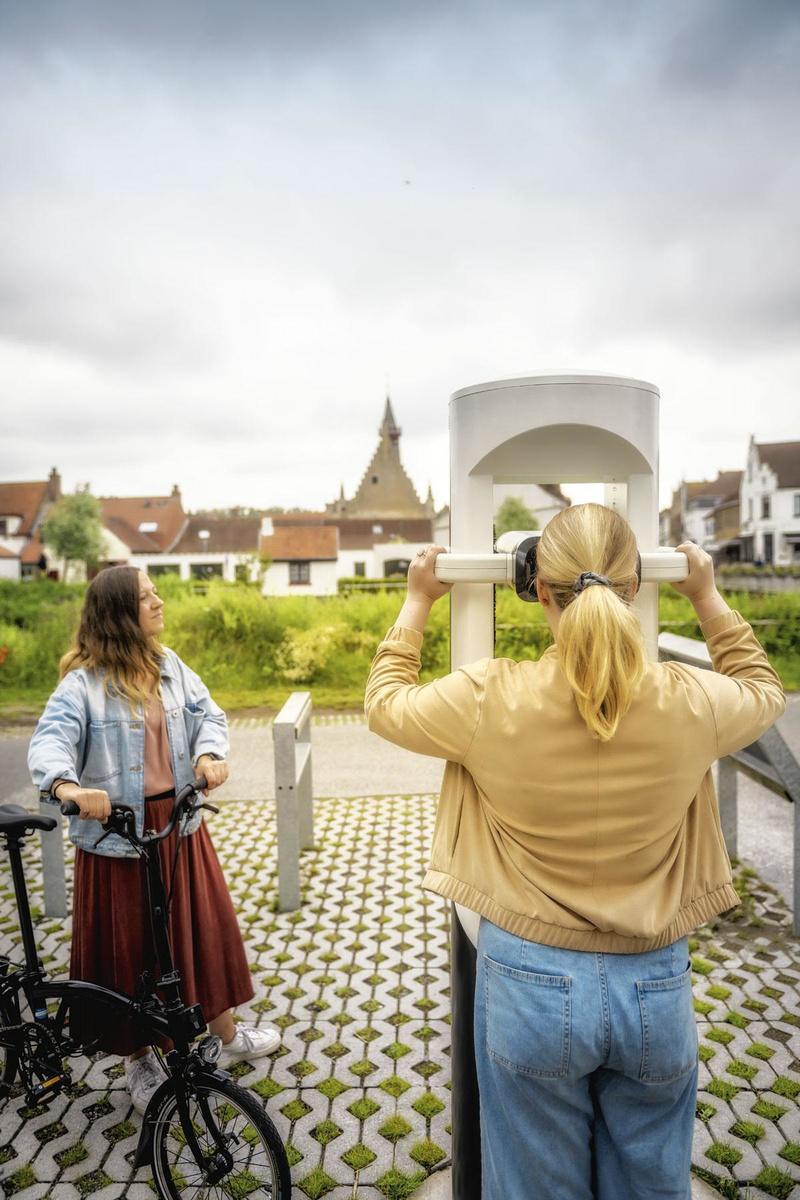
(23, 500)
(131, 519)
(784, 459)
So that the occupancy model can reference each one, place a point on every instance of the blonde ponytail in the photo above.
(600, 644)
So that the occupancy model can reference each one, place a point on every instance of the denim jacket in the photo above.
(90, 736)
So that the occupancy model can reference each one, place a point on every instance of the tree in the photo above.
(513, 514)
(73, 529)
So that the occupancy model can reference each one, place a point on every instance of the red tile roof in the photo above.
(22, 500)
(308, 543)
(33, 551)
(125, 514)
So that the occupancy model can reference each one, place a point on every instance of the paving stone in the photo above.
(347, 948)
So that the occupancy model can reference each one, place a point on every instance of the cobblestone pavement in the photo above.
(359, 986)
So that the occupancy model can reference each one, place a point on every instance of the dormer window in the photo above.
(374, 478)
(148, 526)
(377, 529)
(203, 534)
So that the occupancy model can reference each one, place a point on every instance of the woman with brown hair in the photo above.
(578, 818)
(130, 723)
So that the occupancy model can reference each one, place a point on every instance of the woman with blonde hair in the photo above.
(130, 723)
(578, 818)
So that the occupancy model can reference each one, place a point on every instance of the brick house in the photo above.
(23, 508)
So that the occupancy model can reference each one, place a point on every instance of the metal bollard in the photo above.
(54, 874)
(291, 735)
(728, 805)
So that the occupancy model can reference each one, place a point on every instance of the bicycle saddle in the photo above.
(16, 819)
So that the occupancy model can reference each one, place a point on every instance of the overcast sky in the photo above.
(226, 225)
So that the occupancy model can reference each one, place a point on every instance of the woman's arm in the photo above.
(438, 718)
(57, 747)
(744, 692)
(208, 742)
(56, 751)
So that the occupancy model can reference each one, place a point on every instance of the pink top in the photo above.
(158, 775)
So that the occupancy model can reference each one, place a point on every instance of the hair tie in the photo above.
(587, 579)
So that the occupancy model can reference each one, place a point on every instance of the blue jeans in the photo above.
(587, 1067)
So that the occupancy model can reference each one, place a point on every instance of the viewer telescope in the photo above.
(514, 563)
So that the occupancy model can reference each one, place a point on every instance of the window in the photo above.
(797, 504)
(374, 478)
(205, 570)
(154, 569)
(4, 523)
(148, 526)
(750, 508)
(395, 566)
(299, 572)
(377, 529)
(360, 568)
(765, 507)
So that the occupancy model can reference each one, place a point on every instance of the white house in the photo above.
(303, 558)
(770, 503)
(10, 565)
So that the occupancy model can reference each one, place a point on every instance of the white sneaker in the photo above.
(250, 1042)
(143, 1076)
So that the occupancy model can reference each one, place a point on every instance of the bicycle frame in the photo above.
(168, 1018)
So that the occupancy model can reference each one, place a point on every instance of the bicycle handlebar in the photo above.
(122, 821)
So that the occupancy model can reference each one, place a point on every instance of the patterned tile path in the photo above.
(358, 981)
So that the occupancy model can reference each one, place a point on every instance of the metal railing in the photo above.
(768, 761)
(291, 736)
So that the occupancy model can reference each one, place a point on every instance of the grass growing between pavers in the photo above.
(358, 982)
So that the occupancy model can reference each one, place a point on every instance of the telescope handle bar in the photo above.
(658, 566)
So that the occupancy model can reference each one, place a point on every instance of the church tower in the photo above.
(385, 490)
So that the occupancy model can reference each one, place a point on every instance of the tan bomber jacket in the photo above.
(561, 838)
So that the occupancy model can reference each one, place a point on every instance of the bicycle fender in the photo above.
(144, 1149)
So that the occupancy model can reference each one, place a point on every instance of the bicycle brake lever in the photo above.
(210, 807)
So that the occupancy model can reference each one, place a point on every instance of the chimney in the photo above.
(176, 492)
(54, 486)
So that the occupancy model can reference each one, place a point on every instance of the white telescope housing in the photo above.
(659, 566)
(571, 428)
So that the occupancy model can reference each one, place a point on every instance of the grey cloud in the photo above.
(190, 28)
(725, 44)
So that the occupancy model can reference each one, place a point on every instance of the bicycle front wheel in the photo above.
(259, 1168)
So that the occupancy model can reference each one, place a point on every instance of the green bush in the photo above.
(253, 650)
(790, 571)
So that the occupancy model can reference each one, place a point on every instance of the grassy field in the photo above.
(252, 652)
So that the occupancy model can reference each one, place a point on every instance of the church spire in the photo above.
(389, 429)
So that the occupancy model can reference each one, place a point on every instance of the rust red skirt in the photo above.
(112, 941)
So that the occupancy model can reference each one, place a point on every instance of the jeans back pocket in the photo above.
(669, 1030)
(528, 1020)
